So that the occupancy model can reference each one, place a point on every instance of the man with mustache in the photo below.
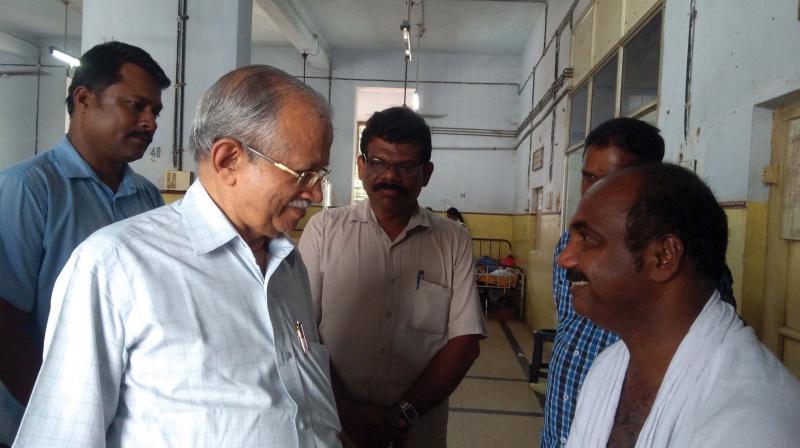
(55, 200)
(191, 325)
(646, 251)
(394, 293)
(615, 144)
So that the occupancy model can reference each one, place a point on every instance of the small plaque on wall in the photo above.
(537, 161)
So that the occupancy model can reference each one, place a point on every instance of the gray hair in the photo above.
(244, 105)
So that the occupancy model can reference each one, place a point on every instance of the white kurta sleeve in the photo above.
(75, 397)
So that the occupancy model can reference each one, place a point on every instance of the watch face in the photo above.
(409, 412)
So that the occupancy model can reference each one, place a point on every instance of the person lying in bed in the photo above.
(642, 258)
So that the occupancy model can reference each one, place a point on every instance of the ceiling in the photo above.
(453, 26)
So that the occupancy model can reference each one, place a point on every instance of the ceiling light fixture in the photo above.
(406, 28)
(64, 55)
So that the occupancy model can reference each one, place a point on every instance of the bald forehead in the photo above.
(618, 188)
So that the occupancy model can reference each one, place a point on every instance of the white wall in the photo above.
(18, 108)
(17, 113)
(552, 139)
(482, 176)
(744, 56)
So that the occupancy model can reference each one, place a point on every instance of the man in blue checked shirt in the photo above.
(614, 145)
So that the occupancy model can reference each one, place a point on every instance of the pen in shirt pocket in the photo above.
(420, 275)
(301, 336)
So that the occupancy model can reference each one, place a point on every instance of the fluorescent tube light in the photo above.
(60, 55)
(406, 27)
(415, 101)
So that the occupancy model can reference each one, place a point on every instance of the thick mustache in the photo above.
(141, 134)
(388, 186)
(576, 276)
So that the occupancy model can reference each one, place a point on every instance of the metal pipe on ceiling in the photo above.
(180, 84)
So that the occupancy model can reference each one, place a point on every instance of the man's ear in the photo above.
(360, 164)
(227, 160)
(82, 98)
(665, 257)
(427, 171)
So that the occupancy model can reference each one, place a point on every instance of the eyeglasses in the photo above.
(379, 166)
(306, 179)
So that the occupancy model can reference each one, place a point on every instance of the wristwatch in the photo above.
(408, 411)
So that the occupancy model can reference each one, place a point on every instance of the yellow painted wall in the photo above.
(737, 225)
(489, 226)
(522, 229)
(755, 257)
(541, 310)
(170, 197)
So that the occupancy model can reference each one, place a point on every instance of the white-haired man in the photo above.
(191, 325)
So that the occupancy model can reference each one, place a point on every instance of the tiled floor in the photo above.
(494, 407)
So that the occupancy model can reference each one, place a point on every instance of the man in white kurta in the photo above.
(647, 245)
(191, 325)
(723, 388)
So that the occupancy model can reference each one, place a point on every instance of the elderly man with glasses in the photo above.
(394, 293)
(192, 325)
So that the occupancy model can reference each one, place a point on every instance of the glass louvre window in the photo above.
(577, 116)
(573, 181)
(604, 92)
(640, 67)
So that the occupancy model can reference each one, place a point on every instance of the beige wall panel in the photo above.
(791, 356)
(582, 46)
(541, 310)
(793, 290)
(635, 10)
(607, 27)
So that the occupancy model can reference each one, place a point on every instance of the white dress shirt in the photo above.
(163, 332)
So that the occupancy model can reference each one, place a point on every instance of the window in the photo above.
(577, 116)
(604, 93)
(640, 67)
(358, 193)
(572, 188)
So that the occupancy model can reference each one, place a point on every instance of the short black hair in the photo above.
(398, 125)
(100, 68)
(452, 211)
(672, 199)
(630, 135)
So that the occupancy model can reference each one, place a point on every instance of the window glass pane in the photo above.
(640, 67)
(577, 116)
(573, 181)
(604, 90)
(357, 194)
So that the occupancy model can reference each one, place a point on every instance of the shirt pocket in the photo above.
(431, 308)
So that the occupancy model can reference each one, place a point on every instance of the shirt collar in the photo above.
(205, 224)
(362, 212)
(74, 167)
(208, 228)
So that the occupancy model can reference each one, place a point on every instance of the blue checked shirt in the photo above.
(578, 342)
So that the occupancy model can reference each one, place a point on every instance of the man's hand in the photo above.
(20, 355)
(369, 425)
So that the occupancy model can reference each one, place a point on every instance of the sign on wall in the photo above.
(537, 161)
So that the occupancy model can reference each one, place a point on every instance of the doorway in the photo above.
(781, 308)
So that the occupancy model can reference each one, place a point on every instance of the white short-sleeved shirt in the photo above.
(384, 308)
(164, 332)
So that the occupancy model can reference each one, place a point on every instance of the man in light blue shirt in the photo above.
(191, 325)
(55, 200)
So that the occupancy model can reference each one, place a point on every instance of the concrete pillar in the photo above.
(218, 39)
